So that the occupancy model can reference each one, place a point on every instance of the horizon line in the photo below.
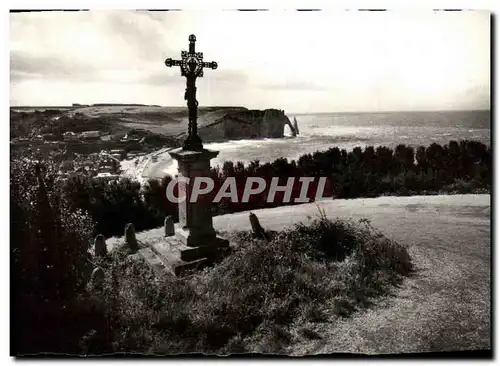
(100, 104)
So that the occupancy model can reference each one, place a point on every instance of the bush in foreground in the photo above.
(255, 298)
(49, 259)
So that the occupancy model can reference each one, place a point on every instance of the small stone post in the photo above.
(130, 239)
(97, 279)
(257, 228)
(169, 226)
(100, 249)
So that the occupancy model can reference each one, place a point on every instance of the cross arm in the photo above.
(169, 62)
(211, 65)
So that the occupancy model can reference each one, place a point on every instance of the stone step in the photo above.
(173, 245)
(173, 262)
(184, 268)
(153, 260)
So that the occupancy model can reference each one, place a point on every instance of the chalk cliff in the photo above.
(242, 124)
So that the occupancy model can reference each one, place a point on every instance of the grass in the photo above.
(256, 300)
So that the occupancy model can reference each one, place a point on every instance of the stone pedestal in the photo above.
(194, 243)
(195, 218)
(195, 240)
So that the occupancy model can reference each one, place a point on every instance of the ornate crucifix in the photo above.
(192, 67)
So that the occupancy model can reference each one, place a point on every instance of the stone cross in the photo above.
(191, 67)
(195, 218)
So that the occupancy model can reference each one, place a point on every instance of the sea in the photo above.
(319, 132)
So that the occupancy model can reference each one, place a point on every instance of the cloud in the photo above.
(232, 76)
(384, 60)
(292, 85)
(130, 26)
(161, 78)
(145, 33)
(24, 65)
(118, 46)
(223, 78)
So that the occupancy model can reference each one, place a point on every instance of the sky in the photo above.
(302, 62)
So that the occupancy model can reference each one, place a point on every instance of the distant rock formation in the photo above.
(244, 124)
(293, 128)
(296, 126)
(121, 105)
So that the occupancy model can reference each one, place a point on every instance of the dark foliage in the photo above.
(247, 302)
(252, 300)
(252, 296)
(459, 167)
(112, 205)
(49, 257)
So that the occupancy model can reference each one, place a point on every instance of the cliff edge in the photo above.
(240, 123)
(216, 123)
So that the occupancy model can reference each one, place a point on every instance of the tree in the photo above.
(384, 159)
(453, 163)
(421, 157)
(404, 158)
(435, 155)
(49, 252)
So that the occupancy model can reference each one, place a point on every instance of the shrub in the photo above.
(250, 301)
(49, 256)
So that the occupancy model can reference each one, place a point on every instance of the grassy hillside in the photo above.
(168, 121)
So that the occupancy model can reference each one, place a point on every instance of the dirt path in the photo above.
(444, 306)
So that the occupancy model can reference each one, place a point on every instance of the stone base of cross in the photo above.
(195, 239)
